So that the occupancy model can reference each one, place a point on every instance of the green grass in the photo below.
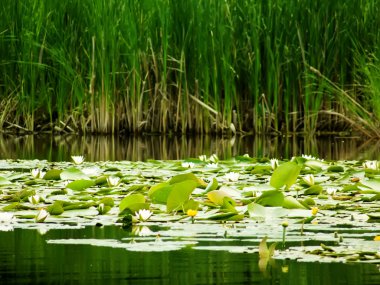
(107, 66)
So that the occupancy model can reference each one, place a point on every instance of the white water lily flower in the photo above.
(41, 216)
(188, 164)
(35, 199)
(113, 181)
(143, 215)
(214, 158)
(308, 156)
(274, 163)
(203, 157)
(371, 164)
(78, 159)
(6, 218)
(309, 179)
(331, 191)
(35, 173)
(212, 165)
(232, 176)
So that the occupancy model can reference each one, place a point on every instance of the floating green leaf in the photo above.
(335, 168)
(285, 174)
(314, 190)
(273, 198)
(132, 202)
(190, 205)
(56, 208)
(4, 181)
(159, 193)
(212, 185)
(292, 203)
(81, 184)
(53, 174)
(217, 196)
(73, 173)
(179, 195)
(188, 176)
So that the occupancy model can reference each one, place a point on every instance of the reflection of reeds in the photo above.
(104, 148)
(130, 66)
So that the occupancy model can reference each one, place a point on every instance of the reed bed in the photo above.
(195, 66)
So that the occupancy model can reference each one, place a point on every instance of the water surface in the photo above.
(102, 148)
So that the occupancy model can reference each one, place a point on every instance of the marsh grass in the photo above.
(108, 66)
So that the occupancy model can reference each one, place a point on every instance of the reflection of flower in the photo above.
(309, 179)
(274, 163)
(41, 216)
(232, 176)
(78, 159)
(113, 181)
(141, 231)
(143, 215)
(42, 230)
(34, 199)
(6, 220)
(188, 164)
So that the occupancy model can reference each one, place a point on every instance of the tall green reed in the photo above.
(107, 66)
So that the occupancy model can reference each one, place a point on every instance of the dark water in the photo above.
(26, 258)
(101, 148)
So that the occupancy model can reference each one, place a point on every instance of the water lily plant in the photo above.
(188, 164)
(274, 163)
(37, 173)
(34, 199)
(232, 176)
(41, 216)
(78, 159)
(113, 181)
(309, 179)
(192, 213)
(143, 215)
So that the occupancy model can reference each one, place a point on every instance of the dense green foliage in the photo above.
(190, 66)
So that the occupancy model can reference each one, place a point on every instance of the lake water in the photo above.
(101, 148)
(26, 256)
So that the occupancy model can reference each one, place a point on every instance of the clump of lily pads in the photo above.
(304, 193)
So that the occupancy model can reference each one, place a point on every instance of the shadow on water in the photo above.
(26, 258)
(101, 148)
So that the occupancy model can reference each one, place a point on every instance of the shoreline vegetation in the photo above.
(274, 67)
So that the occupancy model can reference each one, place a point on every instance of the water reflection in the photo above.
(26, 258)
(101, 148)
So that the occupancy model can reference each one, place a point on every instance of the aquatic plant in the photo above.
(201, 66)
(167, 198)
